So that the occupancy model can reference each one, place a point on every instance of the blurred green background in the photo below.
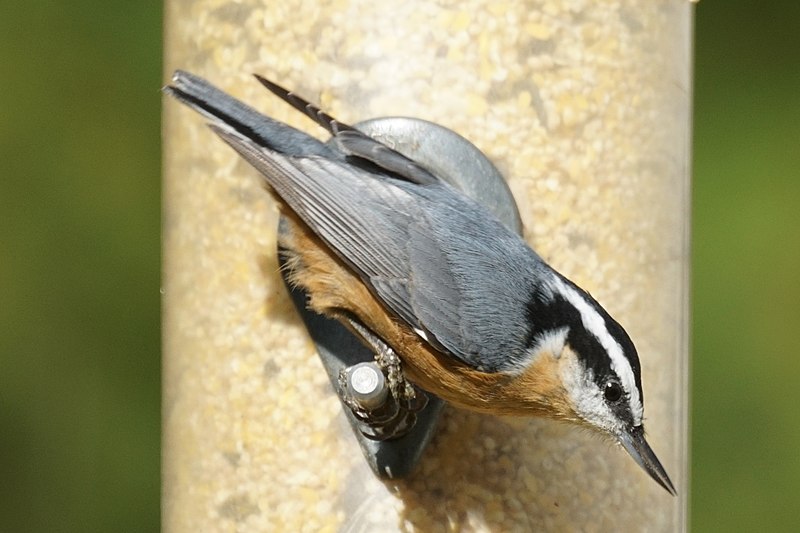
(79, 266)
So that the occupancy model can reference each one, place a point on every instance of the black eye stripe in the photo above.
(547, 313)
(547, 310)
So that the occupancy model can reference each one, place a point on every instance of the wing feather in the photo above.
(424, 251)
(340, 203)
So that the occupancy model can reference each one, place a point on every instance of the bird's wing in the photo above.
(426, 252)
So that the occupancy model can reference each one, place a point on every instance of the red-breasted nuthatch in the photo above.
(475, 315)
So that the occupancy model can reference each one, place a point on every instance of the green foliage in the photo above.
(79, 270)
(746, 267)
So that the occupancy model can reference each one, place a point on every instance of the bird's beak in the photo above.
(633, 441)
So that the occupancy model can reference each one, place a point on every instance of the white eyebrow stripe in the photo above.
(595, 324)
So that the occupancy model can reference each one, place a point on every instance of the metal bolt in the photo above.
(366, 385)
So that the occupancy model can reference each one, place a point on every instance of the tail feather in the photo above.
(352, 141)
(229, 114)
(222, 108)
(304, 106)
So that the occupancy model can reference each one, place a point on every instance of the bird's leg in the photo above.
(396, 416)
(388, 361)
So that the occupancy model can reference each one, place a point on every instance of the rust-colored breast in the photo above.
(334, 288)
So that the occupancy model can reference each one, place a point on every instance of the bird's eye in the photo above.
(613, 391)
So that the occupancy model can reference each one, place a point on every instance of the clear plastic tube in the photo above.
(585, 108)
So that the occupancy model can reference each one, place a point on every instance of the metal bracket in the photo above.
(393, 428)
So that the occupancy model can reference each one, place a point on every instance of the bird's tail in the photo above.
(224, 110)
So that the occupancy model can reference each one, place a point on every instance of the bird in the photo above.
(410, 263)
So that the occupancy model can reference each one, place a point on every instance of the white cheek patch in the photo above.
(587, 399)
(594, 324)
